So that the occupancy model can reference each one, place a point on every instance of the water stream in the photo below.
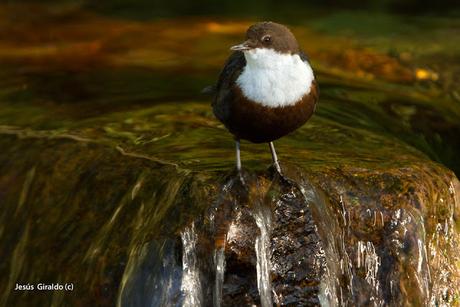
(116, 177)
(219, 261)
(190, 284)
(262, 216)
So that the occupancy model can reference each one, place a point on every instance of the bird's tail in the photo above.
(209, 90)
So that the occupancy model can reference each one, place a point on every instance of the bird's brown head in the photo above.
(269, 35)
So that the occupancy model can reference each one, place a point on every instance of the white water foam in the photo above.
(191, 286)
(262, 217)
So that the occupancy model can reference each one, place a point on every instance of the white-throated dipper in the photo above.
(267, 88)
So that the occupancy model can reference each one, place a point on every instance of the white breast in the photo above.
(274, 79)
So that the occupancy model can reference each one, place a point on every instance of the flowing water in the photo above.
(219, 261)
(116, 178)
(190, 284)
(263, 248)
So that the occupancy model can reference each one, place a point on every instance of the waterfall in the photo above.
(191, 286)
(262, 216)
(219, 262)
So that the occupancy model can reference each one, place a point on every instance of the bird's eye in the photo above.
(266, 38)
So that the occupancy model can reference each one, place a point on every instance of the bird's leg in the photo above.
(275, 157)
(239, 172)
(238, 156)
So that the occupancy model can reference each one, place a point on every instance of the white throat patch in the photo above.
(274, 79)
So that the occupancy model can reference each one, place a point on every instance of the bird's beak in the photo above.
(247, 45)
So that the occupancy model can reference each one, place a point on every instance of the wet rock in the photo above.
(116, 181)
(345, 235)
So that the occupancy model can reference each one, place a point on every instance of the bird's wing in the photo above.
(223, 90)
(209, 90)
(304, 56)
(232, 69)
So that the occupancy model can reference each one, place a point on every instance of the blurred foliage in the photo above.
(146, 9)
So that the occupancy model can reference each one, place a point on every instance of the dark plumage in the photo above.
(254, 120)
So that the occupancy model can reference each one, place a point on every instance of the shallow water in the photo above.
(116, 177)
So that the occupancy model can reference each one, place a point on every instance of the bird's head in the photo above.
(268, 35)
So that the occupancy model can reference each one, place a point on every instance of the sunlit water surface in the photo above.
(116, 177)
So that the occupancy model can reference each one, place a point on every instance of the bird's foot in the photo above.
(277, 174)
(240, 176)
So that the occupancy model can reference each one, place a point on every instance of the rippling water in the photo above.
(115, 176)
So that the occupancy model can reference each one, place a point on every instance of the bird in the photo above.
(267, 88)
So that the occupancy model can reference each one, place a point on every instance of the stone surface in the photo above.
(113, 179)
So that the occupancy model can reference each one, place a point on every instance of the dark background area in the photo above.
(146, 9)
